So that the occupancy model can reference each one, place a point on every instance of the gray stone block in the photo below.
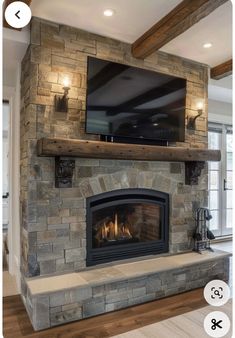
(66, 316)
(153, 285)
(33, 266)
(116, 306)
(72, 255)
(41, 319)
(44, 248)
(62, 266)
(98, 291)
(139, 292)
(68, 297)
(93, 307)
(49, 257)
(47, 267)
(175, 168)
(142, 299)
(117, 296)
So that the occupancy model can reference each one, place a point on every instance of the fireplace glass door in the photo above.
(126, 223)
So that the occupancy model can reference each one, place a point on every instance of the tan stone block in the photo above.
(70, 219)
(41, 55)
(45, 74)
(64, 64)
(46, 236)
(74, 79)
(70, 192)
(44, 91)
(54, 220)
(35, 36)
(84, 47)
(49, 28)
(68, 32)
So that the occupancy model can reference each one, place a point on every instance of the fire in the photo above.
(113, 230)
(116, 226)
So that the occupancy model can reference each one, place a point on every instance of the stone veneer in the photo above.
(53, 221)
(102, 290)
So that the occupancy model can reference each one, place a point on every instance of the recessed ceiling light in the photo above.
(207, 45)
(108, 12)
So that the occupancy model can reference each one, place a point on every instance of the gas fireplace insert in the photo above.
(126, 223)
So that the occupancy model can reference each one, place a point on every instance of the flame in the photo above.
(127, 231)
(104, 231)
(116, 226)
(112, 230)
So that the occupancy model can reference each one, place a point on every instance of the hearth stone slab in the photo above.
(57, 300)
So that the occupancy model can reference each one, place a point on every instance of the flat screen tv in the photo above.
(133, 103)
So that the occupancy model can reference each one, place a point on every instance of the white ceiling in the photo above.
(215, 28)
(132, 18)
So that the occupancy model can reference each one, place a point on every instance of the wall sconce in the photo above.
(61, 102)
(192, 120)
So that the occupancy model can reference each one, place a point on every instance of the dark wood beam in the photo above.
(222, 70)
(148, 96)
(105, 75)
(7, 3)
(98, 149)
(181, 18)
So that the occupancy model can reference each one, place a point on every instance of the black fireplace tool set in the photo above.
(202, 235)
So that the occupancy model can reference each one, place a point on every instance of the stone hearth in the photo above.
(61, 299)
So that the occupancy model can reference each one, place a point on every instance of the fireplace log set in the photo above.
(139, 223)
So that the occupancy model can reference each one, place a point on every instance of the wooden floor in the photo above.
(187, 325)
(17, 325)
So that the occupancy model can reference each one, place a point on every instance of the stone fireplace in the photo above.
(54, 229)
(64, 231)
(126, 223)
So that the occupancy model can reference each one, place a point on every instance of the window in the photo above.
(220, 180)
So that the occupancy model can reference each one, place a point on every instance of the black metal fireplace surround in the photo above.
(126, 223)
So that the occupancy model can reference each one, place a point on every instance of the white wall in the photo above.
(5, 145)
(12, 94)
(220, 112)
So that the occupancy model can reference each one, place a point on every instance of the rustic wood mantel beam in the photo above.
(194, 158)
(7, 3)
(181, 18)
(222, 70)
(99, 149)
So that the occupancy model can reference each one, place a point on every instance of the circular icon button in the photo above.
(216, 292)
(18, 14)
(216, 324)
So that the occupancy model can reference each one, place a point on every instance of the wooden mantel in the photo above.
(59, 147)
(105, 150)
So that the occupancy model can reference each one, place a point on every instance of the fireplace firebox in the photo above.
(126, 223)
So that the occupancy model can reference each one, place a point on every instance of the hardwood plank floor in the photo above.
(16, 323)
(187, 325)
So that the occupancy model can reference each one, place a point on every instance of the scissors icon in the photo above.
(216, 324)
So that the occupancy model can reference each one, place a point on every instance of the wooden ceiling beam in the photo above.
(180, 19)
(222, 70)
(5, 5)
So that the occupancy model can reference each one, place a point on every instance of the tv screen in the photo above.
(130, 102)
